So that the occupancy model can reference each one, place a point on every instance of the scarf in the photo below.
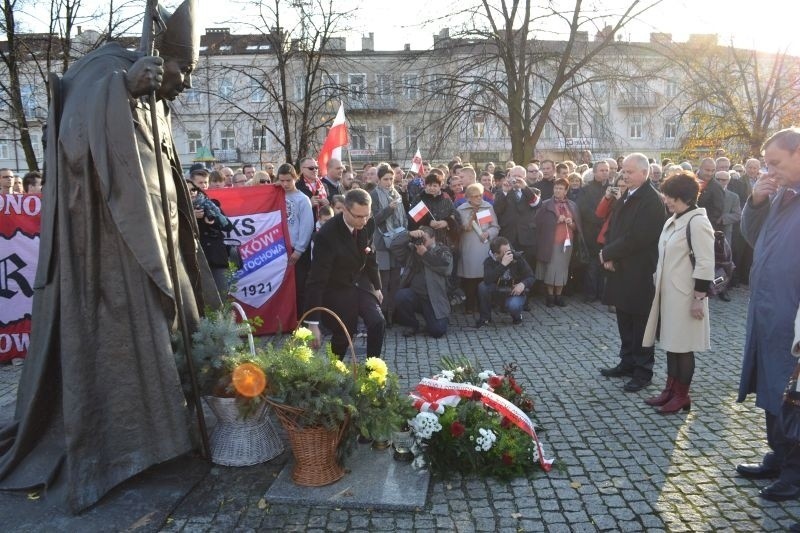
(398, 218)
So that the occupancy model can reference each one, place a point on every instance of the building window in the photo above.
(385, 138)
(356, 86)
(410, 85)
(635, 127)
(257, 92)
(5, 149)
(29, 101)
(670, 129)
(357, 139)
(299, 88)
(36, 145)
(672, 89)
(438, 85)
(331, 87)
(226, 88)
(411, 135)
(195, 140)
(191, 96)
(227, 139)
(384, 85)
(478, 126)
(259, 138)
(571, 129)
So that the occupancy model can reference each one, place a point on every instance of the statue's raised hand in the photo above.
(145, 75)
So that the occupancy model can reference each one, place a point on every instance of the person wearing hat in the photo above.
(100, 398)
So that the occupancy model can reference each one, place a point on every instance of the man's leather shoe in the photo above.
(636, 384)
(617, 372)
(724, 297)
(756, 471)
(779, 491)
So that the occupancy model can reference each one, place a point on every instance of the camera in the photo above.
(416, 241)
(613, 190)
(210, 210)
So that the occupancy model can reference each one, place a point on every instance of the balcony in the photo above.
(369, 103)
(227, 156)
(638, 100)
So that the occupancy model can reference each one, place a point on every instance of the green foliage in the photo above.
(310, 382)
(382, 407)
(218, 337)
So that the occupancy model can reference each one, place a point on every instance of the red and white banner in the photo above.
(336, 139)
(265, 285)
(20, 220)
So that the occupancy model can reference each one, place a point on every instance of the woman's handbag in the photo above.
(790, 408)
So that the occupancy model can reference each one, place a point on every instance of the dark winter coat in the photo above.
(632, 244)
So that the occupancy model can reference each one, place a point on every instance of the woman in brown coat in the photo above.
(681, 284)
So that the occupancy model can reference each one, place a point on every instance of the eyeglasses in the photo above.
(359, 217)
(311, 168)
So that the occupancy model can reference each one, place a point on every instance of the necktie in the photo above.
(355, 235)
(519, 195)
(788, 195)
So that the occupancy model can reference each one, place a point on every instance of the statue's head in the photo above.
(179, 45)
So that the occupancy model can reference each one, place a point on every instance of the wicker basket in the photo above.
(237, 441)
(314, 448)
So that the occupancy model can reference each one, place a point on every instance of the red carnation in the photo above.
(495, 381)
(457, 429)
(515, 386)
(476, 396)
(507, 459)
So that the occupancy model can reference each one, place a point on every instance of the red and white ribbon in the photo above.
(432, 392)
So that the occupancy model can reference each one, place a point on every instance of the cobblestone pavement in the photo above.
(620, 465)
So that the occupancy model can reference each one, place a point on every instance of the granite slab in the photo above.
(374, 481)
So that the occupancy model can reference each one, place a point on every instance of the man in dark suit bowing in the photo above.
(630, 256)
(344, 276)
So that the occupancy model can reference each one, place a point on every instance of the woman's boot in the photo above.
(664, 397)
(549, 301)
(680, 399)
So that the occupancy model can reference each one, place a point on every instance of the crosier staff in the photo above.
(152, 21)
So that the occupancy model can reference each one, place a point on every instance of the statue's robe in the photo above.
(100, 398)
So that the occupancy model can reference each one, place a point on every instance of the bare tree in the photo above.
(284, 89)
(736, 97)
(504, 70)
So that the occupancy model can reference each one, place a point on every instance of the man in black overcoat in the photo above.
(516, 210)
(344, 276)
(630, 256)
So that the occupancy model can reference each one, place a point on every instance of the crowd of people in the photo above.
(555, 216)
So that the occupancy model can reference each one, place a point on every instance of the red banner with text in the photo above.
(264, 286)
(20, 220)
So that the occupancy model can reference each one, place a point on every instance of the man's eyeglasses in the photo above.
(311, 168)
(359, 217)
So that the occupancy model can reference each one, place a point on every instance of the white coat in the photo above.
(674, 282)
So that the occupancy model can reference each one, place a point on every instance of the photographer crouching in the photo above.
(211, 222)
(506, 275)
(423, 285)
